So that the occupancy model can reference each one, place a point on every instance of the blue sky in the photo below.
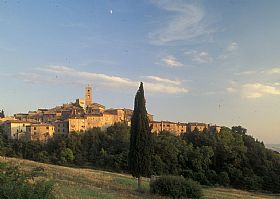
(206, 61)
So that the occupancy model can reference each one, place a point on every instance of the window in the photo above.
(62, 130)
(34, 128)
(47, 127)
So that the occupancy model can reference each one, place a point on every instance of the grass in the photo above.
(73, 183)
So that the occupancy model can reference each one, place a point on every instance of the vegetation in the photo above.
(140, 150)
(176, 187)
(2, 114)
(73, 183)
(230, 158)
(17, 184)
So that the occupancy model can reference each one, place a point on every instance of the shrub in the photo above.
(176, 187)
(223, 178)
(212, 177)
(16, 184)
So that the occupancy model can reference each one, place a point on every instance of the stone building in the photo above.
(173, 127)
(40, 132)
(61, 127)
(76, 124)
(15, 129)
(84, 114)
(197, 125)
(88, 97)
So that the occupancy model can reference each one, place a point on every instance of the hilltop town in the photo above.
(80, 116)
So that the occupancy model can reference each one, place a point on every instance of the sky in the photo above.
(201, 61)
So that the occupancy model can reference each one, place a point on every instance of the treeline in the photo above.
(229, 158)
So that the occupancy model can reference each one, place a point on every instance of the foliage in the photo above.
(2, 114)
(140, 150)
(229, 158)
(17, 184)
(66, 155)
(176, 187)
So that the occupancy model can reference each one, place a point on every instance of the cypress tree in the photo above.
(2, 114)
(139, 157)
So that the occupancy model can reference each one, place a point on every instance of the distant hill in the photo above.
(274, 147)
(88, 183)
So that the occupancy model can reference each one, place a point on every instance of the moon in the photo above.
(111, 11)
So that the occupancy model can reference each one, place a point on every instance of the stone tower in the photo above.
(88, 99)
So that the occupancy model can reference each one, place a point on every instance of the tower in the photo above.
(88, 99)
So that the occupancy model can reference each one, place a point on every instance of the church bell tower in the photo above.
(88, 99)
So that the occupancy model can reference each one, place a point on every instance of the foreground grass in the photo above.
(87, 183)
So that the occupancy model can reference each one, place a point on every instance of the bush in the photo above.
(223, 179)
(16, 184)
(176, 187)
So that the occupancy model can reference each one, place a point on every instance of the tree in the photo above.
(139, 157)
(239, 129)
(66, 155)
(2, 114)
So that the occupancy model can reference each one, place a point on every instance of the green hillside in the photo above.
(88, 183)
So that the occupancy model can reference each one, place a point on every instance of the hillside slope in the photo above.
(87, 183)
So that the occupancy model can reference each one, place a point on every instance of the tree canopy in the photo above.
(140, 149)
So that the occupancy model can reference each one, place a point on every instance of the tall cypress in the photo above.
(139, 157)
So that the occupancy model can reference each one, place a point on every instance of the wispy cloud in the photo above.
(254, 90)
(230, 50)
(199, 57)
(60, 74)
(233, 46)
(275, 70)
(186, 23)
(269, 71)
(257, 90)
(246, 72)
(164, 80)
(171, 61)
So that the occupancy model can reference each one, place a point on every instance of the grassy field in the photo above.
(87, 183)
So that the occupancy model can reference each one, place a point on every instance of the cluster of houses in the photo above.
(80, 116)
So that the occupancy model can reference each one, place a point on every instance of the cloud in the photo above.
(232, 46)
(199, 57)
(255, 90)
(64, 74)
(231, 90)
(229, 51)
(186, 23)
(163, 88)
(275, 70)
(247, 72)
(164, 80)
(270, 71)
(171, 61)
